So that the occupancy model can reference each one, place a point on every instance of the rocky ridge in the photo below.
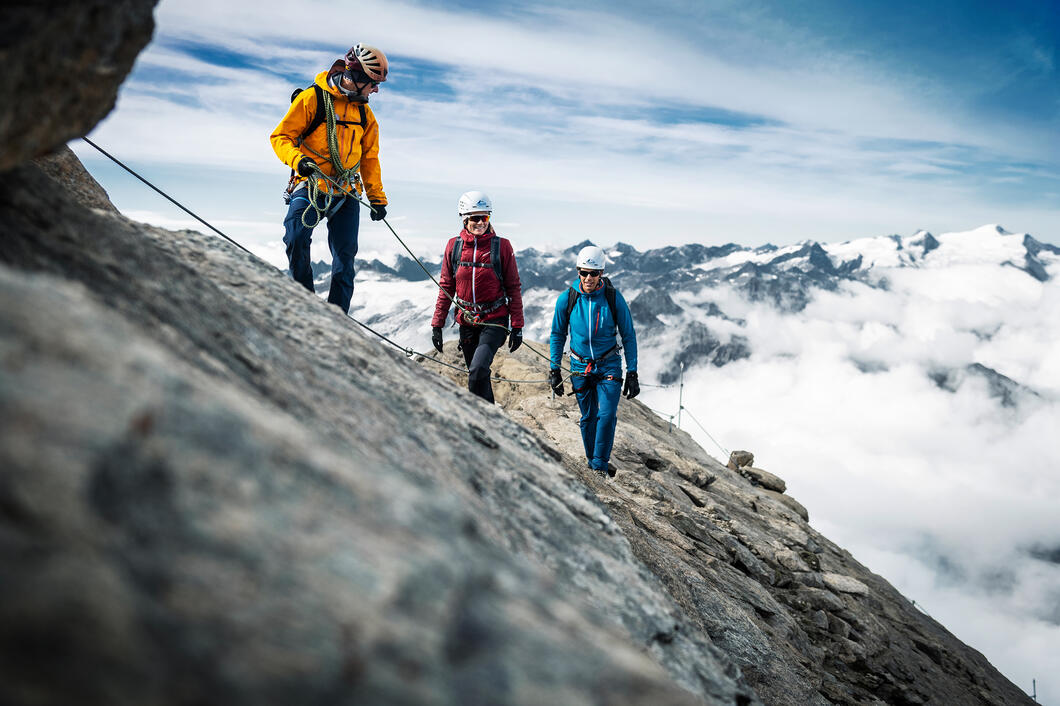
(189, 499)
(803, 620)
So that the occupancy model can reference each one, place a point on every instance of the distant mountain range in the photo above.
(673, 290)
(784, 276)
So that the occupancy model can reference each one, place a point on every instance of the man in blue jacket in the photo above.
(596, 314)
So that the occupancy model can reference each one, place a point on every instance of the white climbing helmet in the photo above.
(474, 202)
(591, 258)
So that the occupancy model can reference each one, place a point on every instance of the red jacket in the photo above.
(479, 285)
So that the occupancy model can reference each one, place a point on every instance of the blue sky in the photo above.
(712, 122)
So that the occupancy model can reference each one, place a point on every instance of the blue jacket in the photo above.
(592, 328)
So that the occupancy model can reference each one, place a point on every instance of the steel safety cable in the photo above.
(167, 196)
(723, 449)
(661, 414)
(427, 272)
(408, 351)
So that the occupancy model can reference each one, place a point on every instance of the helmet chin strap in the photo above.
(354, 96)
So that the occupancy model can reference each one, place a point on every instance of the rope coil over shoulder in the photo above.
(343, 176)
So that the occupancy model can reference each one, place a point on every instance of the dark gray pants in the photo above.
(479, 344)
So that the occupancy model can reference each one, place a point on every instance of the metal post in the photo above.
(1034, 687)
(681, 396)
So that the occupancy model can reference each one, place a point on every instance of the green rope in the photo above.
(342, 174)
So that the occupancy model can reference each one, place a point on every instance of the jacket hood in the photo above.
(322, 81)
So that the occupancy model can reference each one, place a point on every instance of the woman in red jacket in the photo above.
(479, 272)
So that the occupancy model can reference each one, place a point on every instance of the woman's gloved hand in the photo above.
(515, 339)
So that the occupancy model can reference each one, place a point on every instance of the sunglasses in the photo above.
(360, 78)
(478, 219)
(589, 273)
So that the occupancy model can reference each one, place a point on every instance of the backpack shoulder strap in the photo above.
(495, 260)
(609, 294)
(456, 253)
(572, 298)
(318, 116)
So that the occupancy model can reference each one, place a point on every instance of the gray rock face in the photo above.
(66, 169)
(216, 489)
(62, 65)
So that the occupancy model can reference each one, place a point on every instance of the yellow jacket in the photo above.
(357, 143)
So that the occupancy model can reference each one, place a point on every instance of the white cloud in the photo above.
(941, 492)
(532, 118)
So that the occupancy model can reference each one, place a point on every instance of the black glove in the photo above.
(306, 166)
(378, 211)
(632, 387)
(515, 339)
(436, 338)
(555, 381)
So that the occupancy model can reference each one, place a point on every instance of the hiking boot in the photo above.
(611, 470)
(598, 471)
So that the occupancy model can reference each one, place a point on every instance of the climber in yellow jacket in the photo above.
(348, 154)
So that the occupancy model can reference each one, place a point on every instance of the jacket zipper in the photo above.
(589, 325)
(474, 258)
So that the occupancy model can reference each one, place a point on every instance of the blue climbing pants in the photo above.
(343, 223)
(598, 394)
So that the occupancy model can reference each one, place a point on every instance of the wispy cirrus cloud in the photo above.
(746, 123)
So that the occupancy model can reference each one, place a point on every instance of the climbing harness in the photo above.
(472, 313)
(586, 374)
(589, 362)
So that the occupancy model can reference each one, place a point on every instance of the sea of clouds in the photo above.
(946, 492)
